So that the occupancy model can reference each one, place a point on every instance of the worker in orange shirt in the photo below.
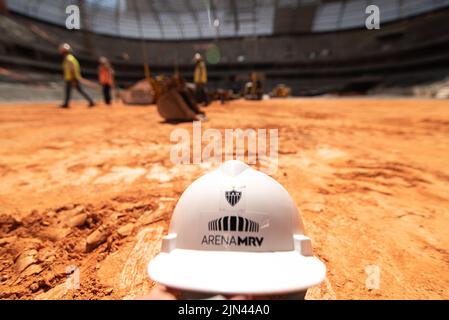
(106, 78)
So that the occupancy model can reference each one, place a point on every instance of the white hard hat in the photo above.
(236, 231)
(103, 60)
(197, 57)
(65, 47)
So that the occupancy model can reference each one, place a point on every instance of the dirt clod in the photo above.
(34, 287)
(97, 237)
(126, 230)
(55, 233)
(25, 259)
(78, 220)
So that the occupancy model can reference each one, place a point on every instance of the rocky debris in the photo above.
(66, 215)
(133, 205)
(25, 259)
(38, 248)
(34, 287)
(32, 270)
(78, 220)
(45, 223)
(126, 230)
(150, 217)
(21, 245)
(6, 241)
(46, 255)
(55, 233)
(51, 214)
(80, 246)
(66, 207)
(97, 237)
(8, 223)
(108, 291)
(118, 215)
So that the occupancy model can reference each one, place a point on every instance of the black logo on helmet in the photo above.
(233, 197)
(233, 223)
(236, 224)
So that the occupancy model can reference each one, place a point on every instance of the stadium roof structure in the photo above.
(202, 19)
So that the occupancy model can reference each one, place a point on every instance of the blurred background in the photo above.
(313, 47)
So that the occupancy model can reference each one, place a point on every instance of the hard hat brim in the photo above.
(230, 272)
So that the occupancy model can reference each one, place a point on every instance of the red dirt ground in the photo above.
(94, 189)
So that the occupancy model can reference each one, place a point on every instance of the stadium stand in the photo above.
(311, 57)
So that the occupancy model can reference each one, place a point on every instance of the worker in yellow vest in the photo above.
(72, 75)
(200, 80)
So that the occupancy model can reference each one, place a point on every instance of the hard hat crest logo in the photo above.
(233, 197)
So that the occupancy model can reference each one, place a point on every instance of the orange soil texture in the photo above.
(88, 194)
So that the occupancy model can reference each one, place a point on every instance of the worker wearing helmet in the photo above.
(106, 78)
(236, 232)
(200, 80)
(72, 75)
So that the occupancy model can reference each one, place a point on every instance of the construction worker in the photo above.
(254, 87)
(200, 80)
(72, 75)
(106, 79)
(236, 232)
